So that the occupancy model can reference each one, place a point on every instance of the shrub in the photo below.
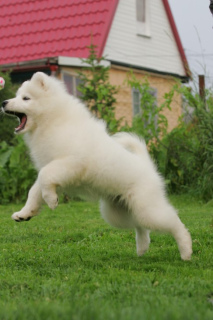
(7, 123)
(16, 172)
(177, 157)
(202, 122)
(185, 155)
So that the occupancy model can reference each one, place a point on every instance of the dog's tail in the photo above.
(132, 143)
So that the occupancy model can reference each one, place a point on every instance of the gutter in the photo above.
(51, 64)
(184, 79)
(40, 64)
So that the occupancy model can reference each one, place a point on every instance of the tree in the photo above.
(96, 90)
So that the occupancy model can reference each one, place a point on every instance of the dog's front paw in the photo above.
(25, 214)
(51, 200)
(19, 217)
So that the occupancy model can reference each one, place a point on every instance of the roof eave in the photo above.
(114, 4)
(30, 65)
(78, 62)
(182, 78)
(177, 38)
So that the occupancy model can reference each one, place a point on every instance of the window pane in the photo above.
(153, 117)
(141, 10)
(136, 102)
(68, 80)
(78, 93)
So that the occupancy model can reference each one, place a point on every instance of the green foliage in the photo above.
(69, 264)
(178, 159)
(96, 90)
(185, 155)
(7, 124)
(203, 128)
(150, 123)
(16, 172)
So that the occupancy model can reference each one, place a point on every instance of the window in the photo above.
(143, 17)
(72, 82)
(138, 111)
(141, 10)
(136, 96)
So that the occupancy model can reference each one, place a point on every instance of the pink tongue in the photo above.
(22, 124)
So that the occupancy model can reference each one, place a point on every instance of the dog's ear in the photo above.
(40, 79)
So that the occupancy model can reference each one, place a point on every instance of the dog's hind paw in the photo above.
(186, 256)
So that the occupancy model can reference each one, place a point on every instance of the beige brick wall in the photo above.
(163, 84)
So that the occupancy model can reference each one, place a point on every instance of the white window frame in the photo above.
(143, 21)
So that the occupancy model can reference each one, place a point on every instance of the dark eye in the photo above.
(26, 98)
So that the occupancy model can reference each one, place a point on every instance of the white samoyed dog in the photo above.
(72, 151)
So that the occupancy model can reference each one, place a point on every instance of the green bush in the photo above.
(16, 172)
(7, 124)
(203, 127)
(178, 159)
(185, 155)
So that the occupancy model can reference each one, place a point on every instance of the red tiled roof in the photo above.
(36, 29)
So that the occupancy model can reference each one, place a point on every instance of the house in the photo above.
(138, 35)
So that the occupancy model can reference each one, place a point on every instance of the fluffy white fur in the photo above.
(72, 151)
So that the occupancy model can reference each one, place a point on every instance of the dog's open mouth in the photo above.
(21, 117)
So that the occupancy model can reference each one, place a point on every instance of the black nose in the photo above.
(4, 103)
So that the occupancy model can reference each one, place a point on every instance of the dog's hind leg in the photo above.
(117, 215)
(142, 240)
(120, 217)
(183, 239)
(163, 218)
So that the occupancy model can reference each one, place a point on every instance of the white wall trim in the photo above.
(77, 62)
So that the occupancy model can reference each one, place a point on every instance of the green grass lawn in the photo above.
(69, 264)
